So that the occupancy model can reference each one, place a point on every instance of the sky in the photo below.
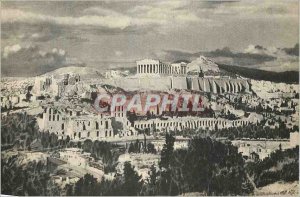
(37, 37)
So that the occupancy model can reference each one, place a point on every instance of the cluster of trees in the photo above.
(129, 184)
(30, 180)
(284, 165)
(20, 130)
(253, 131)
(247, 131)
(228, 115)
(107, 152)
(207, 166)
(259, 109)
(131, 116)
(50, 140)
(207, 112)
(137, 148)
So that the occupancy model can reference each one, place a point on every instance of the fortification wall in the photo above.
(146, 83)
(179, 83)
(164, 83)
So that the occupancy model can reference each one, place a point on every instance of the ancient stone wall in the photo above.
(214, 85)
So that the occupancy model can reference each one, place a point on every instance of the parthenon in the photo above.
(150, 66)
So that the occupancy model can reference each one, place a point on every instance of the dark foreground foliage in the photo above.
(32, 179)
(128, 184)
(280, 166)
(207, 166)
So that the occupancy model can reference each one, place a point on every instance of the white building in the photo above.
(156, 67)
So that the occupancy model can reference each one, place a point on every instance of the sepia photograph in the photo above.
(150, 98)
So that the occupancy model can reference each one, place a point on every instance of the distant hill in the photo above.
(84, 72)
(284, 77)
(204, 64)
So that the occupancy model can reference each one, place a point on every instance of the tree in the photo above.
(116, 126)
(87, 145)
(132, 185)
(207, 166)
(86, 186)
(148, 114)
(216, 126)
(31, 179)
(151, 148)
(167, 151)
(69, 190)
(151, 187)
(131, 148)
(137, 146)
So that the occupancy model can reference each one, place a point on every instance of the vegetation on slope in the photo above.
(284, 77)
(280, 166)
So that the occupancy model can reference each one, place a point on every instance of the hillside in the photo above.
(204, 64)
(84, 72)
(279, 77)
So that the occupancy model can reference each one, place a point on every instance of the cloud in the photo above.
(166, 12)
(241, 58)
(15, 15)
(29, 60)
(30, 32)
(256, 9)
(100, 11)
(98, 17)
(171, 15)
(254, 56)
(221, 55)
(174, 55)
(113, 18)
(10, 50)
(155, 16)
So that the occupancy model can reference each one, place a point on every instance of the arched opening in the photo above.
(232, 89)
(228, 86)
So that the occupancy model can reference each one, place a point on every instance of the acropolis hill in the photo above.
(156, 75)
